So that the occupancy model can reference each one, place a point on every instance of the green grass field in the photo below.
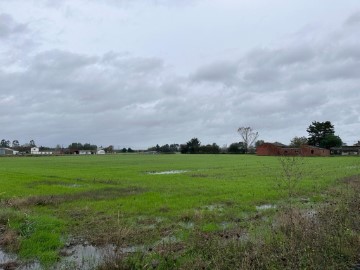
(122, 200)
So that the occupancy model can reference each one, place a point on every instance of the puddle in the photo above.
(132, 249)
(10, 261)
(168, 172)
(187, 225)
(265, 207)
(84, 256)
(74, 185)
(214, 207)
(5, 257)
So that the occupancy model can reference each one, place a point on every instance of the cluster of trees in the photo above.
(194, 147)
(321, 134)
(85, 146)
(15, 144)
(166, 148)
(128, 150)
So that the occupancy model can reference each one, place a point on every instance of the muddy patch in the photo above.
(167, 172)
(84, 256)
(99, 194)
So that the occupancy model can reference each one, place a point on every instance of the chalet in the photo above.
(271, 149)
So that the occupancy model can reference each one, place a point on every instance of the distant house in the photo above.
(36, 151)
(271, 149)
(100, 152)
(7, 151)
(86, 152)
(346, 150)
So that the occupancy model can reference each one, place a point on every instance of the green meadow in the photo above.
(160, 203)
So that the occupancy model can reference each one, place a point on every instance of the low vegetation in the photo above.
(200, 212)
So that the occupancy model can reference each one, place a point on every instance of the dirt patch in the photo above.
(98, 194)
(9, 239)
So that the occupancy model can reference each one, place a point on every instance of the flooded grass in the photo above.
(168, 172)
(178, 211)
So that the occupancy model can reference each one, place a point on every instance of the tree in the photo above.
(124, 150)
(322, 134)
(258, 143)
(209, 149)
(193, 146)
(237, 148)
(248, 136)
(129, 150)
(109, 149)
(15, 144)
(32, 143)
(296, 142)
(5, 143)
(331, 141)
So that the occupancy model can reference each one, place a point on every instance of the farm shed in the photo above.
(7, 151)
(346, 150)
(270, 149)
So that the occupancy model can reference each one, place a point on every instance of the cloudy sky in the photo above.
(133, 73)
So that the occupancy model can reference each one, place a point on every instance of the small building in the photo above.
(270, 149)
(100, 152)
(346, 150)
(86, 152)
(7, 151)
(36, 151)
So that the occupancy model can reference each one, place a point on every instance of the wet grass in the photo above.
(114, 200)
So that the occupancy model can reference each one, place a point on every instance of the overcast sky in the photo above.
(134, 73)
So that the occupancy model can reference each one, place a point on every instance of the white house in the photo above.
(100, 152)
(36, 151)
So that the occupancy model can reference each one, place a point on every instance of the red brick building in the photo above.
(270, 149)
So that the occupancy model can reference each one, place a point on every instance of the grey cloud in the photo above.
(223, 71)
(9, 27)
(354, 19)
(120, 98)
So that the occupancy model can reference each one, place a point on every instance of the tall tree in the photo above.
(193, 146)
(237, 148)
(5, 143)
(318, 131)
(32, 143)
(248, 136)
(15, 144)
(296, 142)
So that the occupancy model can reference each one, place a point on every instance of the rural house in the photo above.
(271, 149)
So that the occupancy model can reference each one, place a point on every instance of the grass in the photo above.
(113, 199)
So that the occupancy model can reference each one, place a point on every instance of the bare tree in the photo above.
(248, 136)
